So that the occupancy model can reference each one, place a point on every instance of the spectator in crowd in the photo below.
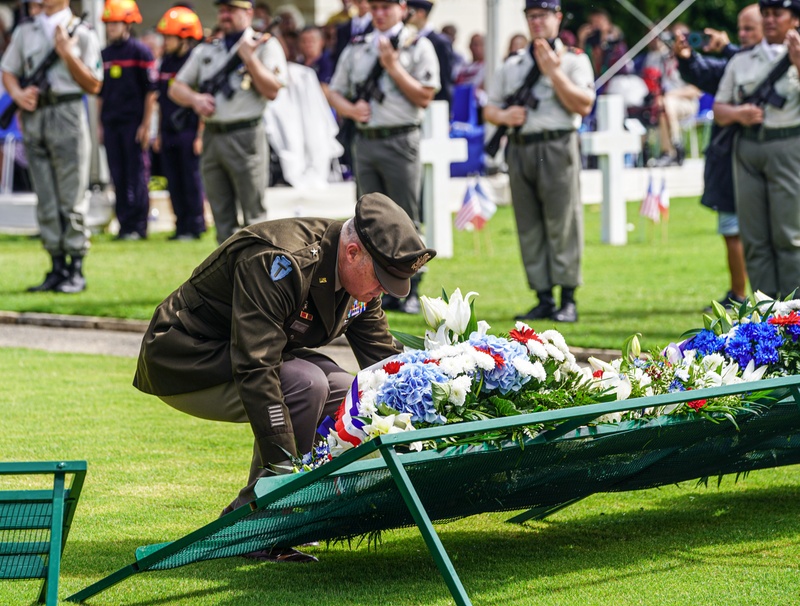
(603, 41)
(516, 44)
(544, 160)
(316, 56)
(679, 100)
(705, 73)
(234, 164)
(57, 132)
(290, 23)
(236, 341)
(126, 106)
(419, 16)
(30, 8)
(359, 25)
(6, 26)
(386, 146)
(450, 32)
(343, 16)
(473, 72)
(766, 156)
(154, 41)
(262, 17)
(180, 147)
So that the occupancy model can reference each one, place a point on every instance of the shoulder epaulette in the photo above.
(575, 50)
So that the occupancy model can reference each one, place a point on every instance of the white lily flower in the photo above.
(440, 338)
(483, 328)
(458, 312)
(751, 373)
(597, 364)
(672, 353)
(760, 296)
(433, 310)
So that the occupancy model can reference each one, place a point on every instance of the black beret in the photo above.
(236, 3)
(550, 5)
(423, 4)
(391, 239)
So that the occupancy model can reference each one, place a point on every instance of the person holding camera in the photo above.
(603, 41)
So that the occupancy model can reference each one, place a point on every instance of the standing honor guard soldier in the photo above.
(126, 108)
(543, 157)
(180, 149)
(766, 157)
(236, 341)
(419, 13)
(249, 69)
(56, 131)
(386, 146)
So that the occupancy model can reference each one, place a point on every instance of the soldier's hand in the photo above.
(63, 43)
(681, 47)
(248, 46)
(515, 115)
(204, 105)
(143, 136)
(793, 43)
(197, 145)
(749, 114)
(387, 54)
(717, 40)
(546, 58)
(28, 98)
(361, 111)
(157, 144)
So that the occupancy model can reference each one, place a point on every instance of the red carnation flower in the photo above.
(524, 335)
(790, 320)
(598, 374)
(696, 404)
(393, 367)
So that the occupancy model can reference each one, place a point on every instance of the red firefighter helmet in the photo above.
(182, 22)
(121, 11)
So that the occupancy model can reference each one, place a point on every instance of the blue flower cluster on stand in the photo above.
(757, 341)
(410, 391)
(504, 378)
(706, 343)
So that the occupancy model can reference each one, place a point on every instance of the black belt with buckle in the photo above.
(545, 135)
(49, 99)
(221, 128)
(758, 133)
(386, 131)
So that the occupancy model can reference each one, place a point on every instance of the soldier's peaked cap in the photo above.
(550, 5)
(391, 239)
(792, 5)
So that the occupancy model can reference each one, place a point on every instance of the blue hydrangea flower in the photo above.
(757, 341)
(503, 378)
(706, 342)
(410, 391)
(413, 356)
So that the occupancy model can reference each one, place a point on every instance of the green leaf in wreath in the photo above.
(408, 340)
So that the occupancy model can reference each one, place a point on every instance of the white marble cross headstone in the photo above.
(611, 142)
(437, 150)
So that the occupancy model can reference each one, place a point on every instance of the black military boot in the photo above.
(75, 281)
(55, 277)
(544, 310)
(411, 304)
(568, 312)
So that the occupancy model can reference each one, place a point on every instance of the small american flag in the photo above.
(663, 200)
(476, 209)
(651, 207)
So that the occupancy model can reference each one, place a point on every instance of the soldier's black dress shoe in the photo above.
(411, 305)
(567, 313)
(388, 302)
(542, 311)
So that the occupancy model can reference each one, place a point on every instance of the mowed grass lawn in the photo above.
(156, 474)
(656, 285)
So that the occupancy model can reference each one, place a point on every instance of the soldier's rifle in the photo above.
(38, 77)
(764, 94)
(367, 90)
(218, 82)
(522, 97)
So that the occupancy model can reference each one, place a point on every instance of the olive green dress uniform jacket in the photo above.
(262, 297)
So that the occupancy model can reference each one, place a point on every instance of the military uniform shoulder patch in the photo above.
(281, 267)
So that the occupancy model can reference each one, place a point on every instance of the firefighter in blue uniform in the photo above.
(127, 100)
(180, 149)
